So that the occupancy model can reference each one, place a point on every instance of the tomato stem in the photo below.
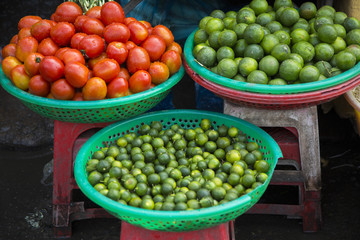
(87, 4)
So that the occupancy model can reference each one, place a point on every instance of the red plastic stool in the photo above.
(223, 231)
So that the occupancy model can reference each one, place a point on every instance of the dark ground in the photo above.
(26, 209)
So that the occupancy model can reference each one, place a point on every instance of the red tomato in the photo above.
(159, 72)
(93, 45)
(8, 64)
(138, 32)
(147, 25)
(14, 39)
(28, 21)
(129, 20)
(118, 87)
(94, 89)
(78, 96)
(94, 12)
(112, 12)
(124, 73)
(62, 33)
(176, 47)
(75, 40)
(72, 55)
(155, 46)
(117, 51)
(52, 23)
(92, 61)
(139, 81)
(48, 47)
(32, 63)
(38, 86)
(19, 77)
(67, 12)
(62, 90)
(9, 50)
(93, 26)
(51, 68)
(173, 60)
(130, 45)
(116, 32)
(164, 32)
(79, 21)
(24, 32)
(60, 52)
(106, 69)
(76, 74)
(138, 59)
(41, 30)
(24, 47)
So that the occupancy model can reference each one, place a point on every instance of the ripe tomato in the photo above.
(117, 51)
(118, 87)
(112, 12)
(94, 12)
(76, 74)
(124, 73)
(147, 25)
(24, 47)
(129, 20)
(94, 89)
(59, 53)
(67, 12)
(138, 32)
(8, 64)
(173, 60)
(28, 21)
(41, 30)
(72, 55)
(176, 47)
(32, 63)
(130, 45)
(14, 39)
(159, 72)
(155, 46)
(24, 32)
(92, 61)
(9, 50)
(116, 32)
(106, 69)
(39, 86)
(75, 40)
(139, 81)
(62, 33)
(138, 59)
(93, 45)
(51, 68)
(163, 32)
(19, 77)
(62, 90)
(78, 96)
(48, 47)
(93, 26)
(79, 21)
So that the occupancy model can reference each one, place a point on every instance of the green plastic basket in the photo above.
(175, 221)
(260, 88)
(107, 110)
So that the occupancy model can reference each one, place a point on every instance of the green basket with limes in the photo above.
(106, 110)
(175, 221)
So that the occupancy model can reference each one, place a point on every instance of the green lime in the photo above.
(98, 155)
(327, 11)
(269, 65)
(340, 30)
(264, 18)
(95, 177)
(301, 24)
(247, 65)
(254, 51)
(206, 56)
(327, 33)
(213, 39)
(200, 36)
(113, 194)
(321, 20)
(229, 23)
(283, 37)
(227, 68)
(231, 14)
(217, 13)
(227, 38)
(214, 24)
(258, 77)
(324, 52)
(246, 15)
(324, 68)
(277, 81)
(239, 29)
(297, 58)
(261, 177)
(259, 6)
(345, 60)
(351, 23)
(305, 50)
(253, 33)
(280, 51)
(103, 166)
(339, 17)
(289, 70)
(239, 48)
(353, 37)
(307, 10)
(247, 180)
(225, 52)
(274, 26)
(268, 42)
(309, 74)
(218, 193)
(313, 39)
(203, 22)
(298, 35)
(282, 3)
(354, 49)
(289, 16)
(233, 156)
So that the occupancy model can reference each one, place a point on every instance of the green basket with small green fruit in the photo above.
(106, 110)
(175, 221)
(301, 33)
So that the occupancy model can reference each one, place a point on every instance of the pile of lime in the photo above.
(278, 44)
(177, 168)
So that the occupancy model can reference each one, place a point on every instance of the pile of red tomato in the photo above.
(92, 56)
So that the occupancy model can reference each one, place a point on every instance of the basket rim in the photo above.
(260, 88)
(104, 103)
(112, 206)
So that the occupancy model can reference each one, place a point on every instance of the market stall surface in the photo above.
(26, 195)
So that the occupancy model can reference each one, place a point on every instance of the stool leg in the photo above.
(312, 212)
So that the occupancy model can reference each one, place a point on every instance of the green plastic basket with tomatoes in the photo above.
(106, 110)
(175, 221)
